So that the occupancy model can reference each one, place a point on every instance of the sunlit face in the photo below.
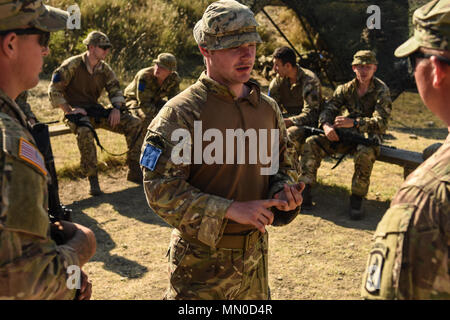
(279, 67)
(99, 53)
(364, 72)
(30, 59)
(233, 65)
(161, 73)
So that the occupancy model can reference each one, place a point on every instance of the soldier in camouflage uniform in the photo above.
(32, 265)
(22, 102)
(409, 256)
(219, 245)
(76, 86)
(145, 94)
(298, 91)
(367, 104)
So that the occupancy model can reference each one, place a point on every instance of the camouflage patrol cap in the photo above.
(97, 38)
(431, 28)
(226, 24)
(364, 57)
(167, 61)
(21, 13)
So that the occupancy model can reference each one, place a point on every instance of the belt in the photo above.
(229, 241)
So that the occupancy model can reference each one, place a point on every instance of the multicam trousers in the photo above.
(129, 126)
(202, 272)
(318, 147)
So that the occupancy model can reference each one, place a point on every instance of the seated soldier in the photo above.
(145, 94)
(367, 102)
(76, 87)
(296, 90)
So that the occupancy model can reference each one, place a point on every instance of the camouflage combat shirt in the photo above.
(372, 110)
(194, 196)
(304, 96)
(144, 91)
(75, 83)
(22, 102)
(409, 258)
(32, 266)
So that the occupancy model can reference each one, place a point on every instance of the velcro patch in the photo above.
(56, 78)
(29, 153)
(150, 157)
(141, 85)
(375, 268)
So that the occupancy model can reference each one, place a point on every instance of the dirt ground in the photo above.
(320, 255)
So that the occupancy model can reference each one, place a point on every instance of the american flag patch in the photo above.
(29, 153)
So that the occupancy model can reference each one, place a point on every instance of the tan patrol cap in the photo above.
(20, 13)
(167, 61)
(97, 38)
(431, 29)
(226, 24)
(364, 57)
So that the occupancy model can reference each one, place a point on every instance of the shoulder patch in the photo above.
(56, 77)
(141, 85)
(29, 153)
(150, 157)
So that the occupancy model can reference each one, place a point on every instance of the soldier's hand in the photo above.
(343, 122)
(288, 122)
(78, 110)
(330, 133)
(114, 117)
(86, 288)
(255, 212)
(292, 194)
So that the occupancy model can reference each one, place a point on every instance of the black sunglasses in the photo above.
(412, 59)
(105, 47)
(44, 36)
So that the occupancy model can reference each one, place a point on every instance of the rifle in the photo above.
(409, 160)
(56, 211)
(97, 112)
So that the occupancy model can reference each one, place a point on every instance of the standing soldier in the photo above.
(145, 94)
(298, 91)
(32, 265)
(219, 210)
(76, 87)
(409, 257)
(368, 106)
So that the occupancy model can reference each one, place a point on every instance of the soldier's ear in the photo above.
(438, 72)
(205, 52)
(8, 43)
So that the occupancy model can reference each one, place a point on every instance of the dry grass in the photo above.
(320, 255)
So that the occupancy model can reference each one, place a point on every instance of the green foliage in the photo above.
(139, 30)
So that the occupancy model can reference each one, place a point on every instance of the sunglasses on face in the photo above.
(44, 36)
(106, 47)
(412, 60)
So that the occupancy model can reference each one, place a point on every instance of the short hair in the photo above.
(285, 54)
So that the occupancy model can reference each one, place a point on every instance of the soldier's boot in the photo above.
(95, 186)
(134, 174)
(307, 198)
(356, 210)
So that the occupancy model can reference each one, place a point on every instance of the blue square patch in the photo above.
(150, 157)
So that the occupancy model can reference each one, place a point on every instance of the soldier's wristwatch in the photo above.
(355, 123)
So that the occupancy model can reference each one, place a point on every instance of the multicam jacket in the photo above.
(32, 266)
(409, 257)
(77, 84)
(145, 91)
(194, 196)
(372, 110)
(304, 96)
